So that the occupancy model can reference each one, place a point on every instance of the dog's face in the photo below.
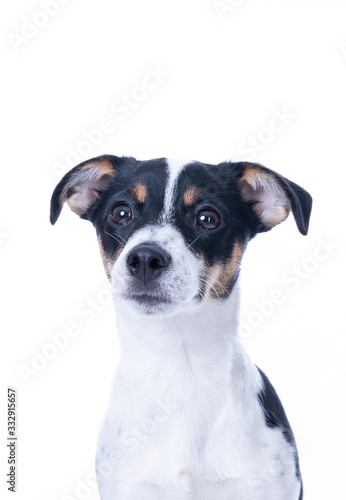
(172, 233)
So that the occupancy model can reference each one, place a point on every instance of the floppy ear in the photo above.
(82, 185)
(274, 196)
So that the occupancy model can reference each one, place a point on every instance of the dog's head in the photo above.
(172, 233)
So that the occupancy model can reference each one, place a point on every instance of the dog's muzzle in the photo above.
(156, 273)
(146, 262)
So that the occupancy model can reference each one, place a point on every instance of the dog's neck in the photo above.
(203, 319)
(205, 336)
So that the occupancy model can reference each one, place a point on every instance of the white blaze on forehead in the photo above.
(174, 169)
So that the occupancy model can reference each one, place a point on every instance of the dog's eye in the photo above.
(122, 214)
(207, 219)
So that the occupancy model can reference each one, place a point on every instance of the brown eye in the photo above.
(207, 219)
(121, 214)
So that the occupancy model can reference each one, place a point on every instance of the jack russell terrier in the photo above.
(190, 416)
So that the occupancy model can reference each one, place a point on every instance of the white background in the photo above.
(227, 74)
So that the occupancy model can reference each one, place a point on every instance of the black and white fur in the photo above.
(190, 416)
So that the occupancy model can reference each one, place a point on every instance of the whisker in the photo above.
(202, 292)
(207, 298)
(218, 283)
(212, 287)
(229, 293)
(116, 239)
(194, 241)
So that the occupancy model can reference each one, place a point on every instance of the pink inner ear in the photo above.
(86, 187)
(271, 203)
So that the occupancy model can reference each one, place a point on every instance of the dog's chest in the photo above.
(184, 416)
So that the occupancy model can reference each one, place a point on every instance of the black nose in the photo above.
(147, 262)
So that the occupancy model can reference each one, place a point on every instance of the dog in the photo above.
(190, 416)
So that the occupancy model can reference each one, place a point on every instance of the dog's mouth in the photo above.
(149, 299)
(148, 303)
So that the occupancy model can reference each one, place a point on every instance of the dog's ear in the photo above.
(82, 185)
(273, 197)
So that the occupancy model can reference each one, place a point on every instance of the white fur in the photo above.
(184, 421)
(184, 415)
(179, 285)
(174, 168)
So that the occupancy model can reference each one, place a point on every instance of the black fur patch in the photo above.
(219, 190)
(275, 415)
(153, 174)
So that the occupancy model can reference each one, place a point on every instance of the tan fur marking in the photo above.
(107, 167)
(213, 274)
(237, 254)
(220, 275)
(106, 262)
(139, 192)
(191, 196)
(250, 174)
(118, 253)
